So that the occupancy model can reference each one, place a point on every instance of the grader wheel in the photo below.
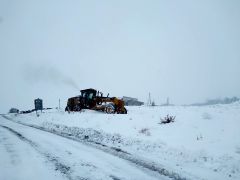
(124, 111)
(77, 108)
(109, 109)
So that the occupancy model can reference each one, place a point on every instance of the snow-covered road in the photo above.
(29, 153)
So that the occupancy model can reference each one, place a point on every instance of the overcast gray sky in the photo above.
(187, 50)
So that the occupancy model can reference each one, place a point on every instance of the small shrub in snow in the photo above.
(145, 131)
(200, 137)
(167, 119)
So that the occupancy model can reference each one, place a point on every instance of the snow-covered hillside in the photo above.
(202, 143)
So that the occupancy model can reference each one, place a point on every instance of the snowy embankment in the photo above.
(203, 141)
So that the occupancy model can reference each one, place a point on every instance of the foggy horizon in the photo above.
(188, 51)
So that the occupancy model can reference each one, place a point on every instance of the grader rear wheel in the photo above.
(109, 109)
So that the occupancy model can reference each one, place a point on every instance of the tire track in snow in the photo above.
(14, 158)
(143, 164)
(62, 168)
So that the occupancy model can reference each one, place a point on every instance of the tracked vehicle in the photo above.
(94, 100)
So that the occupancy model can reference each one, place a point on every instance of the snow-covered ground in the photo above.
(28, 153)
(202, 143)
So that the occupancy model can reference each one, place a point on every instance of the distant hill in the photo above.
(226, 100)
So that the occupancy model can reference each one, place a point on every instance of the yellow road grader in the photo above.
(94, 100)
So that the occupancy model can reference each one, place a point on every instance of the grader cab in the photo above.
(94, 100)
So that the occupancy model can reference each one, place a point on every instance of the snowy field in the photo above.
(202, 143)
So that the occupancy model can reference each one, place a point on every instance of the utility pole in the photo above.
(59, 105)
(149, 100)
(167, 103)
